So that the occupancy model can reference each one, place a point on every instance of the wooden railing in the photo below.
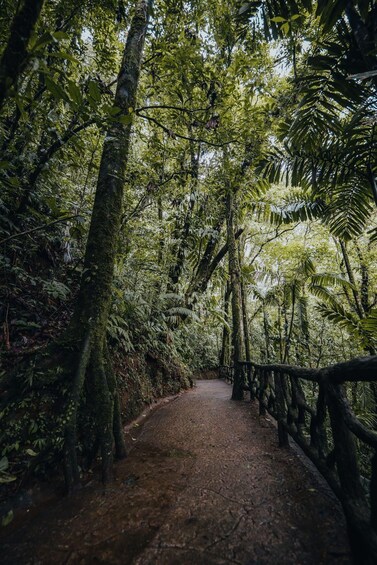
(322, 422)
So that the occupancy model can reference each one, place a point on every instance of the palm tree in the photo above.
(327, 142)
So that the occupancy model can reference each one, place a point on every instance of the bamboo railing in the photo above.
(328, 431)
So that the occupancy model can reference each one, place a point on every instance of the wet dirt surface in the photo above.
(205, 483)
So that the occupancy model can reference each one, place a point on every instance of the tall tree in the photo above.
(87, 330)
(15, 56)
(234, 275)
(224, 352)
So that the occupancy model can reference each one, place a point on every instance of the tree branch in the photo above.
(174, 134)
(38, 228)
(277, 234)
(166, 107)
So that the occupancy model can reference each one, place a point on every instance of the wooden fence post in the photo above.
(363, 544)
(262, 388)
(280, 409)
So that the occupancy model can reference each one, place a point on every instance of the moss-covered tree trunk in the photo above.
(234, 274)
(245, 321)
(182, 233)
(266, 327)
(224, 353)
(15, 55)
(87, 331)
(206, 268)
(202, 273)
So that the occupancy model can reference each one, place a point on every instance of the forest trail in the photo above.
(205, 483)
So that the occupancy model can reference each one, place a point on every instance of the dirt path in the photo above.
(204, 484)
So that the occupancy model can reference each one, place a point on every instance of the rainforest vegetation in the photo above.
(184, 184)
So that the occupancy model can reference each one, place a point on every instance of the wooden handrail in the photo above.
(360, 369)
(327, 430)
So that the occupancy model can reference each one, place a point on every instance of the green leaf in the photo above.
(244, 8)
(44, 40)
(7, 518)
(124, 119)
(330, 279)
(59, 35)
(335, 312)
(285, 28)
(14, 181)
(112, 110)
(56, 90)
(181, 312)
(66, 56)
(5, 478)
(370, 323)
(75, 93)
(4, 464)
(94, 91)
(20, 106)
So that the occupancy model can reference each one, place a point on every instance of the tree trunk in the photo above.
(361, 306)
(266, 327)
(280, 332)
(304, 356)
(161, 244)
(288, 326)
(180, 255)
(15, 55)
(234, 273)
(206, 269)
(43, 157)
(245, 321)
(364, 34)
(351, 278)
(224, 355)
(92, 308)
(201, 273)
(364, 287)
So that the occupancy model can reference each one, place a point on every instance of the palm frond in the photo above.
(369, 324)
(335, 312)
(321, 292)
(295, 210)
(350, 209)
(171, 296)
(330, 279)
(307, 267)
(181, 312)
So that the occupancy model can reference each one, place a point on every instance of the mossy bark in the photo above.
(266, 327)
(245, 321)
(234, 273)
(224, 354)
(15, 55)
(94, 299)
(182, 233)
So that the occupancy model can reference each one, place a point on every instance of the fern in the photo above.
(335, 312)
(330, 279)
(295, 210)
(171, 296)
(350, 209)
(369, 324)
(118, 331)
(220, 317)
(181, 312)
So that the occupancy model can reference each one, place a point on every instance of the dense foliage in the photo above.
(248, 199)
